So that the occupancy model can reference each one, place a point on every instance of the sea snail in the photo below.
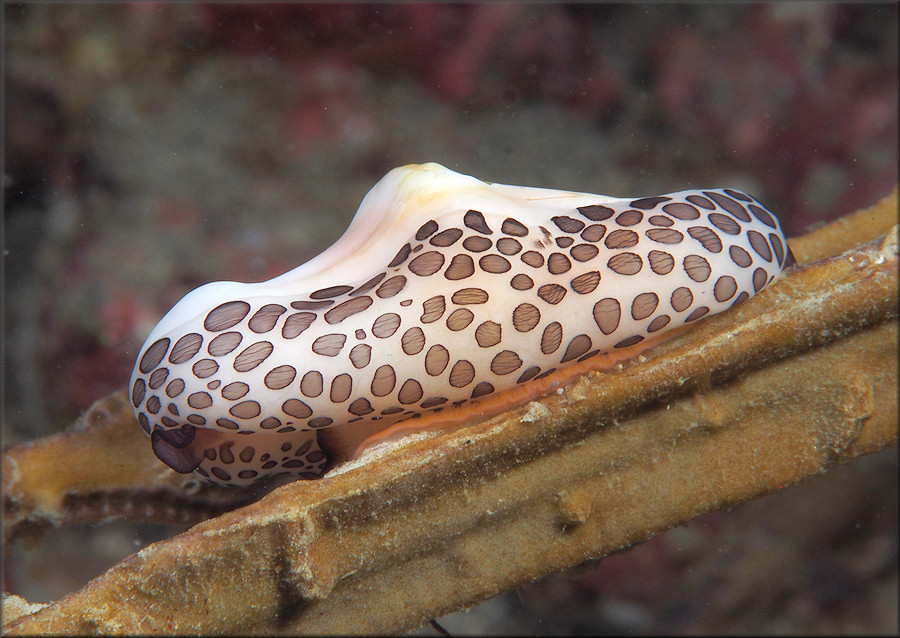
(444, 292)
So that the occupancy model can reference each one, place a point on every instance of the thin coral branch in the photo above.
(438, 521)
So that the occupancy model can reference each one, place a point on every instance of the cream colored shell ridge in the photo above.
(444, 290)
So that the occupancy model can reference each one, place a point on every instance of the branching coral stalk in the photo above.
(441, 520)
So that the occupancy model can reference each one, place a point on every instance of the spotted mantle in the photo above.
(444, 291)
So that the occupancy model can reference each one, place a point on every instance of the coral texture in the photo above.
(436, 522)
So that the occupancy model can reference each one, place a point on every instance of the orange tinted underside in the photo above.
(491, 405)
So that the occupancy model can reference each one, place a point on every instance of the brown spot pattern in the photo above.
(331, 291)
(154, 355)
(391, 287)
(621, 239)
(446, 238)
(505, 362)
(625, 263)
(630, 218)
(724, 223)
(311, 385)
(757, 242)
(138, 392)
(296, 408)
(738, 195)
(577, 347)
(426, 230)
(427, 263)
(360, 355)
(461, 374)
(646, 203)
(586, 283)
(697, 268)
(508, 246)
(460, 319)
(311, 305)
(252, 356)
(477, 244)
(630, 341)
(682, 211)
(245, 410)
(475, 220)
(384, 381)
(551, 338)
(725, 288)
(658, 323)
(295, 324)
(366, 287)
(236, 390)
(740, 256)
(199, 400)
(697, 200)
(532, 258)
(413, 341)
(225, 343)
(488, 334)
(341, 387)
(728, 204)
(205, 368)
(468, 296)
(644, 305)
(681, 299)
(386, 325)
(607, 314)
(401, 256)
(280, 377)
(185, 348)
(329, 345)
(584, 252)
(525, 317)
(436, 360)
(522, 282)
(410, 392)
(596, 212)
(433, 309)
(226, 315)
(707, 238)
(512, 227)
(568, 224)
(461, 266)
(158, 377)
(551, 293)
(175, 388)
(347, 309)
(360, 407)
(777, 247)
(664, 235)
(494, 264)
(697, 313)
(759, 279)
(563, 242)
(481, 390)
(762, 215)
(558, 263)
(661, 262)
(593, 233)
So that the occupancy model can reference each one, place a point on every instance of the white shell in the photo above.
(445, 289)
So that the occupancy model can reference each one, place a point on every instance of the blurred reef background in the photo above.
(151, 148)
